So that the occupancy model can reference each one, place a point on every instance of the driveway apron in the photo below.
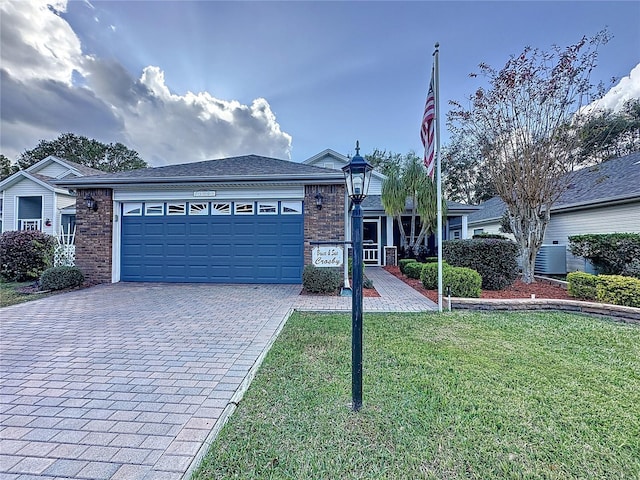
(126, 381)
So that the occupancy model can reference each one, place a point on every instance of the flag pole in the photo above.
(436, 81)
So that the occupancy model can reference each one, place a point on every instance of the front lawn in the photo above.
(462, 395)
(10, 293)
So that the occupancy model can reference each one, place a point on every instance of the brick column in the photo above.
(324, 224)
(94, 235)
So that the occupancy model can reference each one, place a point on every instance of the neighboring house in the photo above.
(379, 229)
(30, 200)
(604, 198)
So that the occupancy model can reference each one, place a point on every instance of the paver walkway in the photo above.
(132, 381)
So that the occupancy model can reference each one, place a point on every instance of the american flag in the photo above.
(427, 131)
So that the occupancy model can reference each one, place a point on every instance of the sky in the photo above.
(183, 81)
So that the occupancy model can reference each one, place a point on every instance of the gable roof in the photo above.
(610, 182)
(41, 180)
(246, 168)
(77, 168)
(341, 159)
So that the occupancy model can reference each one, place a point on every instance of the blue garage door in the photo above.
(209, 242)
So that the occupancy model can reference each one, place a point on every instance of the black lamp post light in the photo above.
(357, 175)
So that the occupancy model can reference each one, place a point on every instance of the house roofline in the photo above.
(339, 156)
(196, 180)
(9, 181)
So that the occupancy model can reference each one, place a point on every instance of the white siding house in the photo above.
(601, 199)
(31, 201)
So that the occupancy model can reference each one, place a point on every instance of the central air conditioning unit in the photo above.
(551, 260)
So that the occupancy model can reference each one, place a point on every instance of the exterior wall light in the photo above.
(319, 199)
(90, 202)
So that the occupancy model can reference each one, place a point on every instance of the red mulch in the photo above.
(517, 290)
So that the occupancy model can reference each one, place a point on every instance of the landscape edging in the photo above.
(617, 312)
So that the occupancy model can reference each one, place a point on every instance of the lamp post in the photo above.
(357, 175)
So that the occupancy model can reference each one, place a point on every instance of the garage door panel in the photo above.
(212, 248)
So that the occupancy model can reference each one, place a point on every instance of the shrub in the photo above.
(413, 270)
(24, 255)
(402, 263)
(495, 236)
(582, 285)
(321, 280)
(57, 278)
(464, 282)
(495, 260)
(367, 283)
(618, 290)
(431, 260)
(610, 253)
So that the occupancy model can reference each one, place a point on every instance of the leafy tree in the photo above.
(89, 152)
(463, 178)
(411, 183)
(522, 123)
(606, 134)
(6, 167)
(384, 162)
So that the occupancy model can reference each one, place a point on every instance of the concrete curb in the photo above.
(616, 312)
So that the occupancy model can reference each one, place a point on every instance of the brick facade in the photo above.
(94, 235)
(327, 223)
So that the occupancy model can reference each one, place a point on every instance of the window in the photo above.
(291, 208)
(132, 209)
(243, 208)
(267, 208)
(198, 208)
(30, 213)
(176, 208)
(478, 231)
(456, 235)
(153, 209)
(223, 208)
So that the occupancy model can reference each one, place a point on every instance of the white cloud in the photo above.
(626, 89)
(40, 99)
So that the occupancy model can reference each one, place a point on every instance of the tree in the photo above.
(411, 182)
(524, 124)
(89, 152)
(463, 178)
(606, 134)
(383, 161)
(6, 167)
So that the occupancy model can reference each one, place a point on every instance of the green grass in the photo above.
(9, 295)
(462, 395)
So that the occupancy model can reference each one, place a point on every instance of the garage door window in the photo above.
(243, 208)
(267, 208)
(176, 209)
(132, 209)
(198, 209)
(153, 209)
(291, 208)
(223, 208)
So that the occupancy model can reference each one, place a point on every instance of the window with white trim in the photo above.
(267, 208)
(291, 208)
(220, 208)
(132, 209)
(201, 208)
(177, 208)
(153, 209)
(243, 208)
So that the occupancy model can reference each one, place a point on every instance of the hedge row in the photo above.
(464, 282)
(494, 259)
(614, 289)
(610, 253)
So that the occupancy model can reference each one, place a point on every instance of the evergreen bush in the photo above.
(413, 270)
(25, 254)
(321, 280)
(403, 262)
(610, 253)
(464, 282)
(57, 278)
(618, 290)
(582, 285)
(494, 259)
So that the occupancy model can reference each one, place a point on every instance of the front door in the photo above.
(371, 240)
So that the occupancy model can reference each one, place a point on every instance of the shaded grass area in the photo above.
(462, 395)
(10, 294)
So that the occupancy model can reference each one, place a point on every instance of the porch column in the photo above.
(465, 228)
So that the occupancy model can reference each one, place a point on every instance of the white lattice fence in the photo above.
(64, 254)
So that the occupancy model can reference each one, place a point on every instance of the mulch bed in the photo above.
(517, 290)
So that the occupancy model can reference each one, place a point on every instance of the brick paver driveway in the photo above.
(125, 381)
